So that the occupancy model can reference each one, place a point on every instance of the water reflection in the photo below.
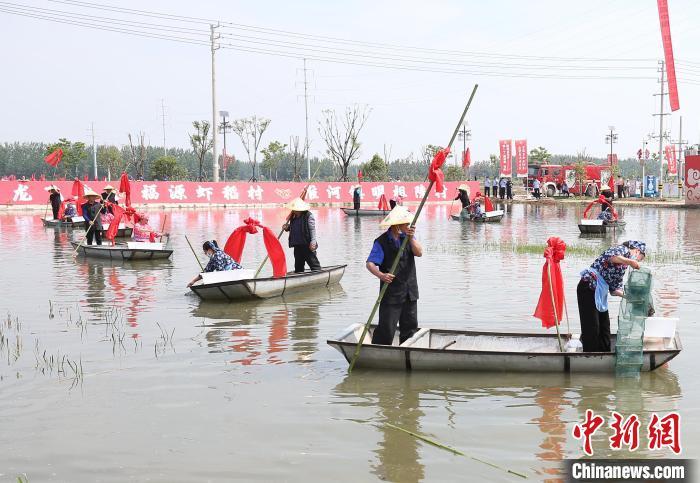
(268, 332)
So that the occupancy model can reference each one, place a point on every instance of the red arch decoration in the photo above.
(236, 242)
(603, 201)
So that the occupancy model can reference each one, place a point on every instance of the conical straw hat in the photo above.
(52, 187)
(89, 192)
(463, 187)
(398, 216)
(109, 187)
(297, 204)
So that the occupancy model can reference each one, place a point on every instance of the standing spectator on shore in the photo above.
(620, 187)
(502, 188)
(536, 189)
(509, 189)
(565, 189)
(494, 186)
(487, 186)
(627, 188)
(633, 188)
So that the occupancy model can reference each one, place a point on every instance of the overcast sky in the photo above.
(58, 78)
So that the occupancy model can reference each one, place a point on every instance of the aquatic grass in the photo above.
(658, 257)
(440, 445)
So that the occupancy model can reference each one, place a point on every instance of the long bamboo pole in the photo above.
(88, 230)
(194, 253)
(165, 217)
(395, 263)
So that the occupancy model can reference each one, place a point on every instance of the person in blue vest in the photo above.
(400, 302)
(302, 235)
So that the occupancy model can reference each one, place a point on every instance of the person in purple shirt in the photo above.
(400, 302)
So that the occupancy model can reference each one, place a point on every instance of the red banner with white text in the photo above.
(236, 193)
(506, 151)
(668, 54)
(521, 158)
(672, 169)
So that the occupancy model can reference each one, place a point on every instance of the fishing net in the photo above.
(634, 309)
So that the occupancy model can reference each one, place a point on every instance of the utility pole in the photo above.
(224, 128)
(162, 111)
(611, 139)
(681, 156)
(661, 128)
(643, 161)
(94, 149)
(306, 117)
(214, 47)
(465, 134)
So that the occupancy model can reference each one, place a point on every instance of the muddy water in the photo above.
(114, 372)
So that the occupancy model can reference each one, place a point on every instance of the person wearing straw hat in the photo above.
(302, 235)
(400, 302)
(109, 195)
(91, 213)
(54, 199)
(604, 277)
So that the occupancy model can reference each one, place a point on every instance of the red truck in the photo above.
(552, 177)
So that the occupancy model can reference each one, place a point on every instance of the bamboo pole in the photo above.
(88, 230)
(395, 263)
(46, 211)
(554, 305)
(165, 217)
(194, 253)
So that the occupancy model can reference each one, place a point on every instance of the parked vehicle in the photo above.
(552, 177)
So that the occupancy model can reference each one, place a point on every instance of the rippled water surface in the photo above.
(115, 372)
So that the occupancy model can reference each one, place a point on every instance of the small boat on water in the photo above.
(122, 232)
(461, 350)
(599, 226)
(241, 285)
(125, 251)
(489, 217)
(365, 212)
(75, 222)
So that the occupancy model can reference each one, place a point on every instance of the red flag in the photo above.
(550, 314)
(43, 177)
(435, 174)
(33, 178)
(118, 212)
(671, 160)
(125, 187)
(236, 242)
(668, 53)
(521, 158)
(466, 158)
(85, 178)
(383, 205)
(359, 175)
(506, 157)
(488, 206)
(611, 182)
(78, 191)
(54, 158)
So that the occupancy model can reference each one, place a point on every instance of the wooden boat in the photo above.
(489, 217)
(125, 251)
(240, 285)
(365, 212)
(76, 221)
(122, 232)
(599, 226)
(459, 350)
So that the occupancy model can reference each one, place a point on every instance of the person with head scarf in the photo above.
(302, 235)
(400, 302)
(143, 232)
(604, 277)
(70, 210)
(219, 261)
(356, 198)
(91, 214)
(54, 199)
(606, 215)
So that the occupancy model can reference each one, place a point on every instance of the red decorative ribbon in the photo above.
(119, 213)
(236, 242)
(78, 192)
(125, 187)
(383, 204)
(435, 174)
(603, 201)
(553, 254)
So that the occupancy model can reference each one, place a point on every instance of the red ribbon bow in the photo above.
(550, 314)
(435, 174)
(236, 242)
